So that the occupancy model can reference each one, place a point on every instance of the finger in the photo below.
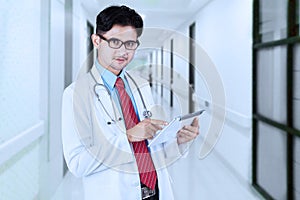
(192, 129)
(156, 127)
(183, 133)
(181, 139)
(187, 134)
(146, 121)
(137, 138)
(148, 128)
(149, 136)
(152, 129)
(195, 122)
(158, 122)
(180, 134)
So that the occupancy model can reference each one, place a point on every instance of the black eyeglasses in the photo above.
(116, 43)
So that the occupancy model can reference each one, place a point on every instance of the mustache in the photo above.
(122, 57)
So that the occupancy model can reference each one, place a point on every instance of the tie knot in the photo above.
(119, 83)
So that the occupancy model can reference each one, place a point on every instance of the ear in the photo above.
(96, 40)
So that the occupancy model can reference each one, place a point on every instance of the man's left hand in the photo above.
(188, 133)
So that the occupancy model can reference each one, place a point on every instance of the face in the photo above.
(115, 59)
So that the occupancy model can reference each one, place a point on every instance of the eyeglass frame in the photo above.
(122, 43)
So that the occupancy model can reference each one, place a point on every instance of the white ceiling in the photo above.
(168, 14)
(162, 14)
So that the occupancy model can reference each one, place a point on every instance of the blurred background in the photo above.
(253, 45)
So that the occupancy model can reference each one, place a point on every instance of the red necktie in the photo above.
(145, 165)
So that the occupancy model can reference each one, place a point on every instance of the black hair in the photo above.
(118, 15)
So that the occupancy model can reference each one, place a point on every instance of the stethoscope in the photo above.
(146, 113)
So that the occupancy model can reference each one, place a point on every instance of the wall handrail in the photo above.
(14, 145)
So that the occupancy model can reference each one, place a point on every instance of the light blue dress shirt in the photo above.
(109, 80)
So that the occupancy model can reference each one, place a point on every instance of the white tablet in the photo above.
(169, 132)
(188, 118)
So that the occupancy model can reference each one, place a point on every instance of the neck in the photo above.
(109, 68)
(115, 72)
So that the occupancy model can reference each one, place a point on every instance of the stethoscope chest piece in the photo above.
(147, 114)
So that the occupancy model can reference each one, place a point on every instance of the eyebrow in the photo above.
(122, 40)
(102, 37)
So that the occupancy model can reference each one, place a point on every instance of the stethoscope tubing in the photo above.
(146, 113)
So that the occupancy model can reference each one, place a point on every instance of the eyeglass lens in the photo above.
(116, 43)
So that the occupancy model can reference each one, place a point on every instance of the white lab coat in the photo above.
(101, 153)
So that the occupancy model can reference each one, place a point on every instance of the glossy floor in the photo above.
(205, 179)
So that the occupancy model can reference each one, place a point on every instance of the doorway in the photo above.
(89, 45)
(171, 73)
(192, 35)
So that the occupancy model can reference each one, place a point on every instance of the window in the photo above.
(171, 71)
(276, 98)
(273, 20)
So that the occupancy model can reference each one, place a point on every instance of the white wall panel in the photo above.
(52, 168)
(20, 90)
(57, 62)
(181, 71)
(19, 67)
(223, 31)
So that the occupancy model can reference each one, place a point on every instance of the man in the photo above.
(105, 127)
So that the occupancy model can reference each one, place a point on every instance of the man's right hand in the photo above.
(145, 129)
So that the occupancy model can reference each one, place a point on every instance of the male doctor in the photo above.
(105, 128)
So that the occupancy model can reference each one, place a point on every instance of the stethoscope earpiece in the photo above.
(113, 121)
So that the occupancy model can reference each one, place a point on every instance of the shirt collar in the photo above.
(108, 77)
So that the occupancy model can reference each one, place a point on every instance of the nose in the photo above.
(122, 50)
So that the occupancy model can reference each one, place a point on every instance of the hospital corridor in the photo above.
(238, 61)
